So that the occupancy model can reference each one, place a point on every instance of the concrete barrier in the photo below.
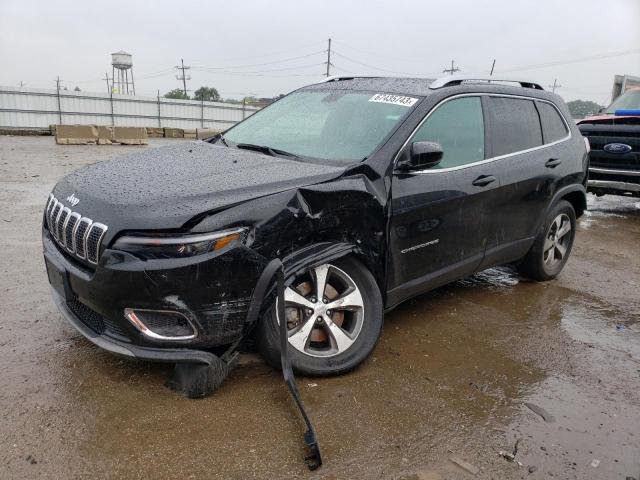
(101, 135)
(130, 135)
(173, 132)
(76, 134)
(155, 132)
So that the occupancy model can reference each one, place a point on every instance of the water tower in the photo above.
(122, 67)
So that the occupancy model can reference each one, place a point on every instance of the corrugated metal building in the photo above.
(39, 108)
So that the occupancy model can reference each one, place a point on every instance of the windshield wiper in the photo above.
(274, 152)
(219, 138)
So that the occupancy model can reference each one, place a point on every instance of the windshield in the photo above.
(630, 100)
(343, 126)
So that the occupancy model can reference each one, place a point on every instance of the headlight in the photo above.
(179, 246)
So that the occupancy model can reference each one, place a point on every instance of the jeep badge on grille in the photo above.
(73, 200)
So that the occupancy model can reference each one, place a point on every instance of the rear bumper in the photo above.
(168, 355)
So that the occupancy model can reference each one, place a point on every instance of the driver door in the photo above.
(437, 228)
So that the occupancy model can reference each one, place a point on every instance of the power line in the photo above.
(344, 69)
(575, 60)
(258, 74)
(374, 67)
(296, 67)
(555, 85)
(262, 64)
(451, 70)
(300, 47)
(375, 54)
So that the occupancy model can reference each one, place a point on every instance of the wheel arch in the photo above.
(298, 261)
(578, 199)
(576, 195)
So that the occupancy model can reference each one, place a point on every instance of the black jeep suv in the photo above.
(369, 190)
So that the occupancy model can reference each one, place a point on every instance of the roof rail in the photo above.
(453, 80)
(336, 78)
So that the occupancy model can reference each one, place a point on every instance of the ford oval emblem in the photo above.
(617, 148)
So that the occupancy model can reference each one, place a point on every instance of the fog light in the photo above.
(161, 324)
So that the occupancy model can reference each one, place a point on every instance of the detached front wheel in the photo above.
(334, 316)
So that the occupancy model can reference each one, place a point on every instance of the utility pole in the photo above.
(492, 67)
(106, 79)
(451, 70)
(21, 84)
(555, 85)
(58, 95)
(329, 58)
(183, 77)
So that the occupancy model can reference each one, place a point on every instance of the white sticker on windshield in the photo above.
(393, 99)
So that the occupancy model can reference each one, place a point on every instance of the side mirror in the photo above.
(421, 155)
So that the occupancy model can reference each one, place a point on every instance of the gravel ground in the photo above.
(547, 372)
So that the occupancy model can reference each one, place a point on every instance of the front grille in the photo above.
(92, 319)
(88, 316)
(79, 235)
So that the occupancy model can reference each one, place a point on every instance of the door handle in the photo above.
(553, 163)
(483, 180)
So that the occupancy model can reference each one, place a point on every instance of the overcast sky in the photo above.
(265, 47)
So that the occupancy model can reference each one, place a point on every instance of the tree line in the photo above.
(210, 94)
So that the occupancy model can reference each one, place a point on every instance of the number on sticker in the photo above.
(393, 99)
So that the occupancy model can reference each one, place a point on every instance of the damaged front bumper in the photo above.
(118, 347)
(211, 293)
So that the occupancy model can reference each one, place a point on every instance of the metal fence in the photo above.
(39, 108)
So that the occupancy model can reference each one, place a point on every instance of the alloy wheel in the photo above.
(324, 311)
(557, 241)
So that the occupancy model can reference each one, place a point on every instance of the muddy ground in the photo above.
(451, 377)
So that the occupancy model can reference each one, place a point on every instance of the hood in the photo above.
(163, 188)
(610, 120)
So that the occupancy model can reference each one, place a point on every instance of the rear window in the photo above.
(553, 128)
(516, 125)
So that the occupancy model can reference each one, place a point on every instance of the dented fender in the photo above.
(312, 224)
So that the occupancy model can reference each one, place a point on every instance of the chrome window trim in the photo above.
(486, 160)
(98, 242)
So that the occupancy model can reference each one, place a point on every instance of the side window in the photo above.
(458, 126)
(516, 125)
(553, 128)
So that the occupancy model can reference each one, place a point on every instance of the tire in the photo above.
(316, 348)
(550, 251)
